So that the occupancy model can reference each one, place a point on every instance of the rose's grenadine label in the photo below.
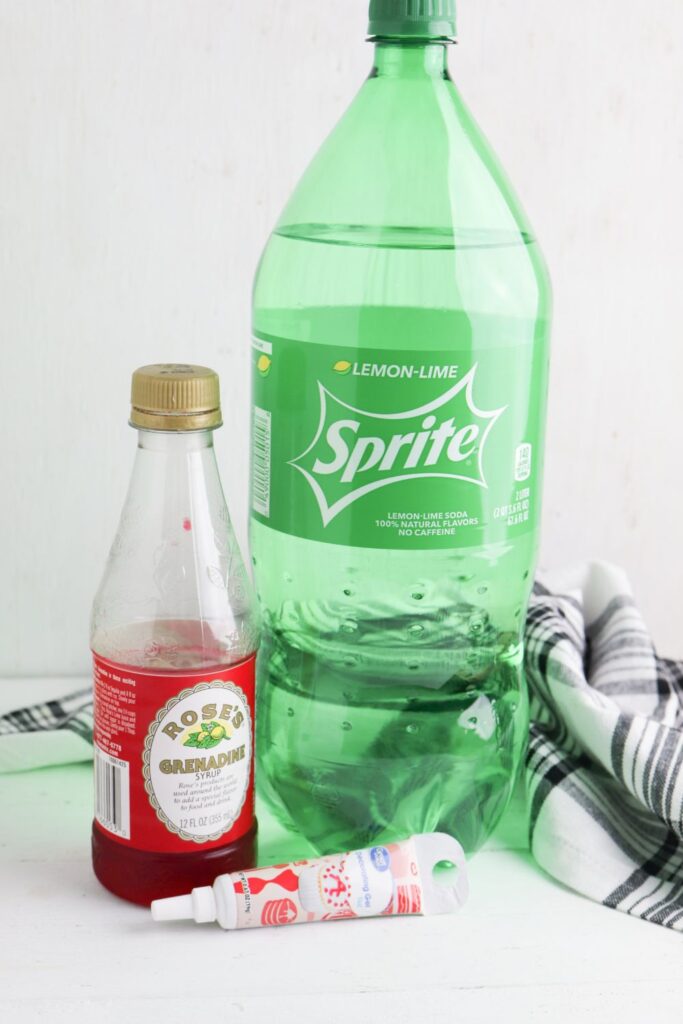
(174, 755)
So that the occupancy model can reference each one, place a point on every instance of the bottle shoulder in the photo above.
(404, 206)
(175, 568)
(408, 154)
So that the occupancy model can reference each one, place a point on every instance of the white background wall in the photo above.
(146, 149)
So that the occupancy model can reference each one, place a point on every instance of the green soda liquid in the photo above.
(400, 374)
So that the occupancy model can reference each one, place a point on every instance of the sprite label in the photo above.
(413, 449)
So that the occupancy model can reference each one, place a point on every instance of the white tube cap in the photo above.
(199, 905)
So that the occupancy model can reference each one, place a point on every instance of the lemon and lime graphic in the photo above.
(343, 366)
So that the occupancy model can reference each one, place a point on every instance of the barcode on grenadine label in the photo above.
(112, 793)
(260, 487)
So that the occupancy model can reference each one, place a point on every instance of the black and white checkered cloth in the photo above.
(604, 770)
(52, 733)
(605, 763)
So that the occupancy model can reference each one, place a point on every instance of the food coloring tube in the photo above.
(425, 874)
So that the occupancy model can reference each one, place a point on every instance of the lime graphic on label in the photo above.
(210, 735)
(263, 365)
(342, 366)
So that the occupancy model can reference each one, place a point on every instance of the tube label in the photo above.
(173, 756)
(383, 880)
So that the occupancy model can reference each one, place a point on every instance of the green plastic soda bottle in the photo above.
(401, 322)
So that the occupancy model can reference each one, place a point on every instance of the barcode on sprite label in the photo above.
(112, 793)
(261, 462)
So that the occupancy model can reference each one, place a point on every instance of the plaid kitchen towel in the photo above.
(51, 733)
(604, 769)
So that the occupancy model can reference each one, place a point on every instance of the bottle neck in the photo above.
(176, 443)
(418, 60)
(175, 479)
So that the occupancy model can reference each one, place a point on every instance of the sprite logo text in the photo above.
(357, 451)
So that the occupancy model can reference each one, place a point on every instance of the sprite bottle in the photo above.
(400, 358)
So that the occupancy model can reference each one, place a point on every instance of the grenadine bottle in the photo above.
(174, 634)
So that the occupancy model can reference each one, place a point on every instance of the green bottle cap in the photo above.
(413, 19)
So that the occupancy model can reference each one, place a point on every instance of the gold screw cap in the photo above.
(175, 396)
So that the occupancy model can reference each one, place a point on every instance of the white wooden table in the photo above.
(523, 948)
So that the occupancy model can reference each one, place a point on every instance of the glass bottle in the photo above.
(174, 634)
